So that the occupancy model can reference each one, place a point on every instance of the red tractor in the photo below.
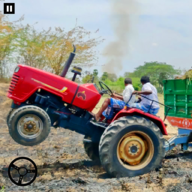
(130, 144)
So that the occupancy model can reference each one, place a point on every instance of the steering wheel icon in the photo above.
(22, 171)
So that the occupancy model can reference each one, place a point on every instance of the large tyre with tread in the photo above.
(131, 146)
(29, 125)
(92, 150)
(9, 114)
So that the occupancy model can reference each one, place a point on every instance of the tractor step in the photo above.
(87, 140)
(99, 124)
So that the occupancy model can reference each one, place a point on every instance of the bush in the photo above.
(160, 90)
(118, 86)
(2, 189)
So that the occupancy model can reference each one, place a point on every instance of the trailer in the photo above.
(178, 95)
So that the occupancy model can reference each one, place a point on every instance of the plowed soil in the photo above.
(63, 165)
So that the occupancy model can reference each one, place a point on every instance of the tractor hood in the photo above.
(27, 80)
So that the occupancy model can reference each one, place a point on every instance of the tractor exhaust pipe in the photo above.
(68, 62)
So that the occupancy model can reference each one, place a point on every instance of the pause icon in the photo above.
(9, 8)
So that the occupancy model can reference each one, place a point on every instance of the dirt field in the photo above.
(63, 165)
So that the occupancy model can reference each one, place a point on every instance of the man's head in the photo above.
(127, 81)
(145, 79)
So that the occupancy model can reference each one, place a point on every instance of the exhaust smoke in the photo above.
(120, 21)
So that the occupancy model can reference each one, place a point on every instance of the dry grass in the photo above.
(2, 93)
(187, 75)
(6, 103)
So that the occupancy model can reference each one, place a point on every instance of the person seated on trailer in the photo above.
(150, 93)
(117, 101)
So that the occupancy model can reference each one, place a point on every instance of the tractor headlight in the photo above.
(17, 69)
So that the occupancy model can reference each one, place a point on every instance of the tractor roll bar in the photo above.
(68, 62)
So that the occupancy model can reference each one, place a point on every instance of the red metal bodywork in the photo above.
(28, 80)
(133, 111)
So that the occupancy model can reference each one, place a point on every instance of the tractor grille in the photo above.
(13, 84)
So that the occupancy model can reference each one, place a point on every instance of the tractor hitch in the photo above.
(183, 139)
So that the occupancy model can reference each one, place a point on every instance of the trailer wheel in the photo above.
(92, 150)
(29, 125)
(131, 146)
(9, 114)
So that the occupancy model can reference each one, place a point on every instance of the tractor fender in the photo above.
(136, 112)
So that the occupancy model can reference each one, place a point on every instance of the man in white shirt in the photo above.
(117, 101)
(150, 92)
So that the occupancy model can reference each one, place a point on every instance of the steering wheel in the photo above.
(104, 90)
(22, 172)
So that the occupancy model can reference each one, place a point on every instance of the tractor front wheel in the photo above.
(92, 150)
(29, 125)
(9, 114)
(131, 146)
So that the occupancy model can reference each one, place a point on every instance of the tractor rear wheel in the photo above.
(92, 150)
(29, 125)
(131, 146)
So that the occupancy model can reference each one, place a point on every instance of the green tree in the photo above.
(58, 51)
(119, 86)
(9, 32)
(95, 72)
(95, 76)
(154, 69)
(32, 44)
(49, 49)
(157, 72)
(162, 76)
(128, 75)
(87, 77)
(104, 76)
(112, 77)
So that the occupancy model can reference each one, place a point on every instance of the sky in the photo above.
(159, 30)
